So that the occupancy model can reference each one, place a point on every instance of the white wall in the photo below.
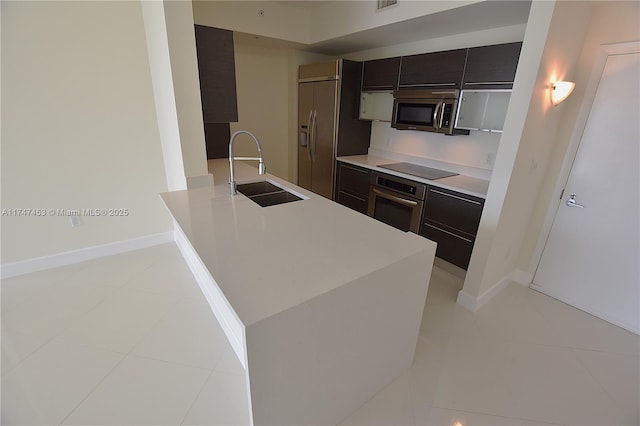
(262, 86)
(78, 126)
(278, 20)
(476, 150)
(611, 22)
(164, 94)
(174, 71)
(551, 46)
(325, 20)
(351, 16)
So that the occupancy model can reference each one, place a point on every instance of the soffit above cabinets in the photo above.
(470, 18)
(334, 28)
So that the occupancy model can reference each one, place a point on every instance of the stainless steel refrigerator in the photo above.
(328, 124)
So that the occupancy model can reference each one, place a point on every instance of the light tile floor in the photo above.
(129, 339)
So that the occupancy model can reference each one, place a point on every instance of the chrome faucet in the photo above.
(261, 167)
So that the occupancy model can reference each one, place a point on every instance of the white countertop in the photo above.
(461, 183)
(268, 259)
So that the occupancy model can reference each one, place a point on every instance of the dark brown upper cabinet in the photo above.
(216, 66)
(433, 70)
(381, 74)
(492, 67)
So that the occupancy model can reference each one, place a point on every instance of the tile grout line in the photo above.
(603, 388)
(125, 355)
(93, 389)
(184, 417)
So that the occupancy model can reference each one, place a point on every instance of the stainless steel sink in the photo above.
(258, 188)
(266, 194)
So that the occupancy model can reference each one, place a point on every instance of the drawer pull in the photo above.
(354, 196)
(450, 233)
(469, 83)
(354, 169)
(455, 196)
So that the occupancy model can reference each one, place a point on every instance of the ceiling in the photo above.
(475, 17)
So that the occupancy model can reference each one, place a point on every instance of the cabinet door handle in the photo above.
(383, 86)
(455, 196)
(399, 200)
(450, 233)
(427, 84)
(469, 83)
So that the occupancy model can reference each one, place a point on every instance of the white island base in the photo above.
(315, 346)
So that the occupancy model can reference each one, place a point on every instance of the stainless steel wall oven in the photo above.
(397, 202)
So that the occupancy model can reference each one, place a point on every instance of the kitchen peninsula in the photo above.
(322, 305)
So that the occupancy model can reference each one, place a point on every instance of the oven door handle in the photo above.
(409, 203)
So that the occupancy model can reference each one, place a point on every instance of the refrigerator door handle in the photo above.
(312, 147)
(310, 134)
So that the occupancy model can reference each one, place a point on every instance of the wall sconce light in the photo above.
(560, 90)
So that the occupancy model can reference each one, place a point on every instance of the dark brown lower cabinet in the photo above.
(453, 247)
(353, 187)
(451, 219)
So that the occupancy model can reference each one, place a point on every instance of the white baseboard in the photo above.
(522, 277)
(474, 303)
(467, 301)
(13, 269)
(224, 313)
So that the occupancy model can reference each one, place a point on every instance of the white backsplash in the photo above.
(472, 154)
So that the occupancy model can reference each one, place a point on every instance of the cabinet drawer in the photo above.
(354, 202)
(452, 247)
(453, 209)
(353, 179)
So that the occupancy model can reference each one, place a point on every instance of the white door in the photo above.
(592, 257)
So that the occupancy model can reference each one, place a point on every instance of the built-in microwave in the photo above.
(426, 110)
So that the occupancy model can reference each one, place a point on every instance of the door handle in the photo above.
(571, 202)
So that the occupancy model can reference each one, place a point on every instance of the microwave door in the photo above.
(414, 115)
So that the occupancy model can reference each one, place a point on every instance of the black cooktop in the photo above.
(419, 171)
